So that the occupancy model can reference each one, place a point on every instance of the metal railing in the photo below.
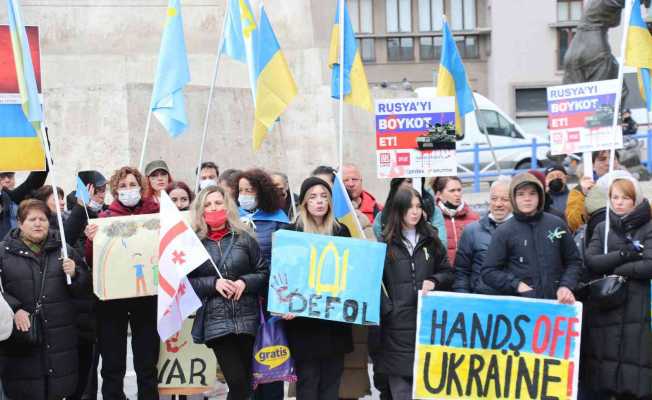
(476, 175)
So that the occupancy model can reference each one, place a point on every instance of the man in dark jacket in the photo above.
(473, 246)
(533, 254)
(10, 198)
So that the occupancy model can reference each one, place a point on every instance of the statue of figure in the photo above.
(589, 55)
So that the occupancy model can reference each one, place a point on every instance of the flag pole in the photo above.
(340, 157)
(629, 6)
(480, 121)
(280, 133)
(147, 125)
(53, 176)
(216, 67)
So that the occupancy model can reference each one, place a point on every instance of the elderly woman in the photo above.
(228, 320)
(34, 281)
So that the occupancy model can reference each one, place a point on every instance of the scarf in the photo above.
(33, 246)
(451, 212)
(218, 234)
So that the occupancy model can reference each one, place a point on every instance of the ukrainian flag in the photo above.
(20, 146)
(451, 78)
(638, 52)
(172, 74)
(343, 209)
(272, 85)
(356, 89)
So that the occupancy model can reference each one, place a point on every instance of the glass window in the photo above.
(391, 15)
(569, 10)
(437, 12)
(400, 49)
(354, 13)
(469, 14)
(497, 125)
(367, 50)
(463, 14)
(361, 14)
(564, 37)
(457, 15)
(424, 16)
(430, 48)
(430, 15)
(405, 15)
(399, 15)
(531, 100)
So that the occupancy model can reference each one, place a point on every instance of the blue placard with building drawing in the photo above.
(326, 277)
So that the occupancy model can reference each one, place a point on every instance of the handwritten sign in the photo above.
(326, 277)
(475, 346)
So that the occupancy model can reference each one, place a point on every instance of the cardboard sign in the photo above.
(183, 366)
(580, 117)
(326, 277)
(415, 137)
(475, 347)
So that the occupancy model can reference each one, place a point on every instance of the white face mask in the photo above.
(247, 201)
(94, 206)
(204, 183)
(129, 197)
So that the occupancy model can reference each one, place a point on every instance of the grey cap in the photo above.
(156, 165)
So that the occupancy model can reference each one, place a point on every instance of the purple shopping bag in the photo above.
(272, 360)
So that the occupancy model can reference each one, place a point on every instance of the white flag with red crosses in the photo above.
(180, 252)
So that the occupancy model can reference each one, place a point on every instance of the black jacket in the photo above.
(219, 316)
(56, 360)
(10, 197)
(618, 343)
(537, 250)
(313, 339)
(471, 252)
(403, 277)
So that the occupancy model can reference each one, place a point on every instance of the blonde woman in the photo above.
(228, 320)
(318, 346)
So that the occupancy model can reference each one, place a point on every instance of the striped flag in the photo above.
(343, 209)
(180, 252)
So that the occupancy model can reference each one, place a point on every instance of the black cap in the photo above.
(555, 168)
(309, 183)
(92, 177)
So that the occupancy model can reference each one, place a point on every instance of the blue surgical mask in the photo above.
(247, 201)
(129, 197)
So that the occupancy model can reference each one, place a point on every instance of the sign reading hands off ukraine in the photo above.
(326, 277)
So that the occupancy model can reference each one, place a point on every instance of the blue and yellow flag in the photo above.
(356, 89)
(272, 85)
(21, 148)
(451, 78)
(638, 53)
(172, 74)
(343, 209)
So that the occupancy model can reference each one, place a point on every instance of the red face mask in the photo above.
(215, 219)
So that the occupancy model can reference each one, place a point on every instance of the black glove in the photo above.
(627, 254)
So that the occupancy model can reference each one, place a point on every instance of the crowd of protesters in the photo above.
(539, 239)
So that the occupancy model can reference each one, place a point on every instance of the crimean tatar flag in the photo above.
(20, 145)
(638, 53)
(255, 43)
(172, 74)
(180, 252)
(343, 209)
(452, 80)
(356, 89)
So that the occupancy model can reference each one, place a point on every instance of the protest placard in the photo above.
(20, 145)
(498, 347)
(125, 256)
(580, 117)
(415, 137)
(326, 277)
(183, 366)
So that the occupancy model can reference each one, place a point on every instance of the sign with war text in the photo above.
(496, 347)
(326, 277)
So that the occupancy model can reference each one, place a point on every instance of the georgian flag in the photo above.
(180, 252)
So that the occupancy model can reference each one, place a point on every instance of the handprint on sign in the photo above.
(280, 285)
(171, 344)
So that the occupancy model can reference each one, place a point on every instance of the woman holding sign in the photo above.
(318, 346)
(416, 260)
(618, 352)
(228, 320)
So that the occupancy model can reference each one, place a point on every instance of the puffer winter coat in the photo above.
(54, 363)
(219, 316)
(617, 346)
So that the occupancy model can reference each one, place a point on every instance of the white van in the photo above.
(502, 130)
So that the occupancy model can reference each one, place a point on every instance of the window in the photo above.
(497, 125)
(531, 100)
(467, 46)
(399, 15)
(569, 10)
(361, 14)
(400, 49)
(463, 15)
(430, 15)
(430, 48)
(564, 38)
(367, 49)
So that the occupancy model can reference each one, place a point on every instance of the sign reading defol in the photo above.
(326, 277)
(496, 347)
